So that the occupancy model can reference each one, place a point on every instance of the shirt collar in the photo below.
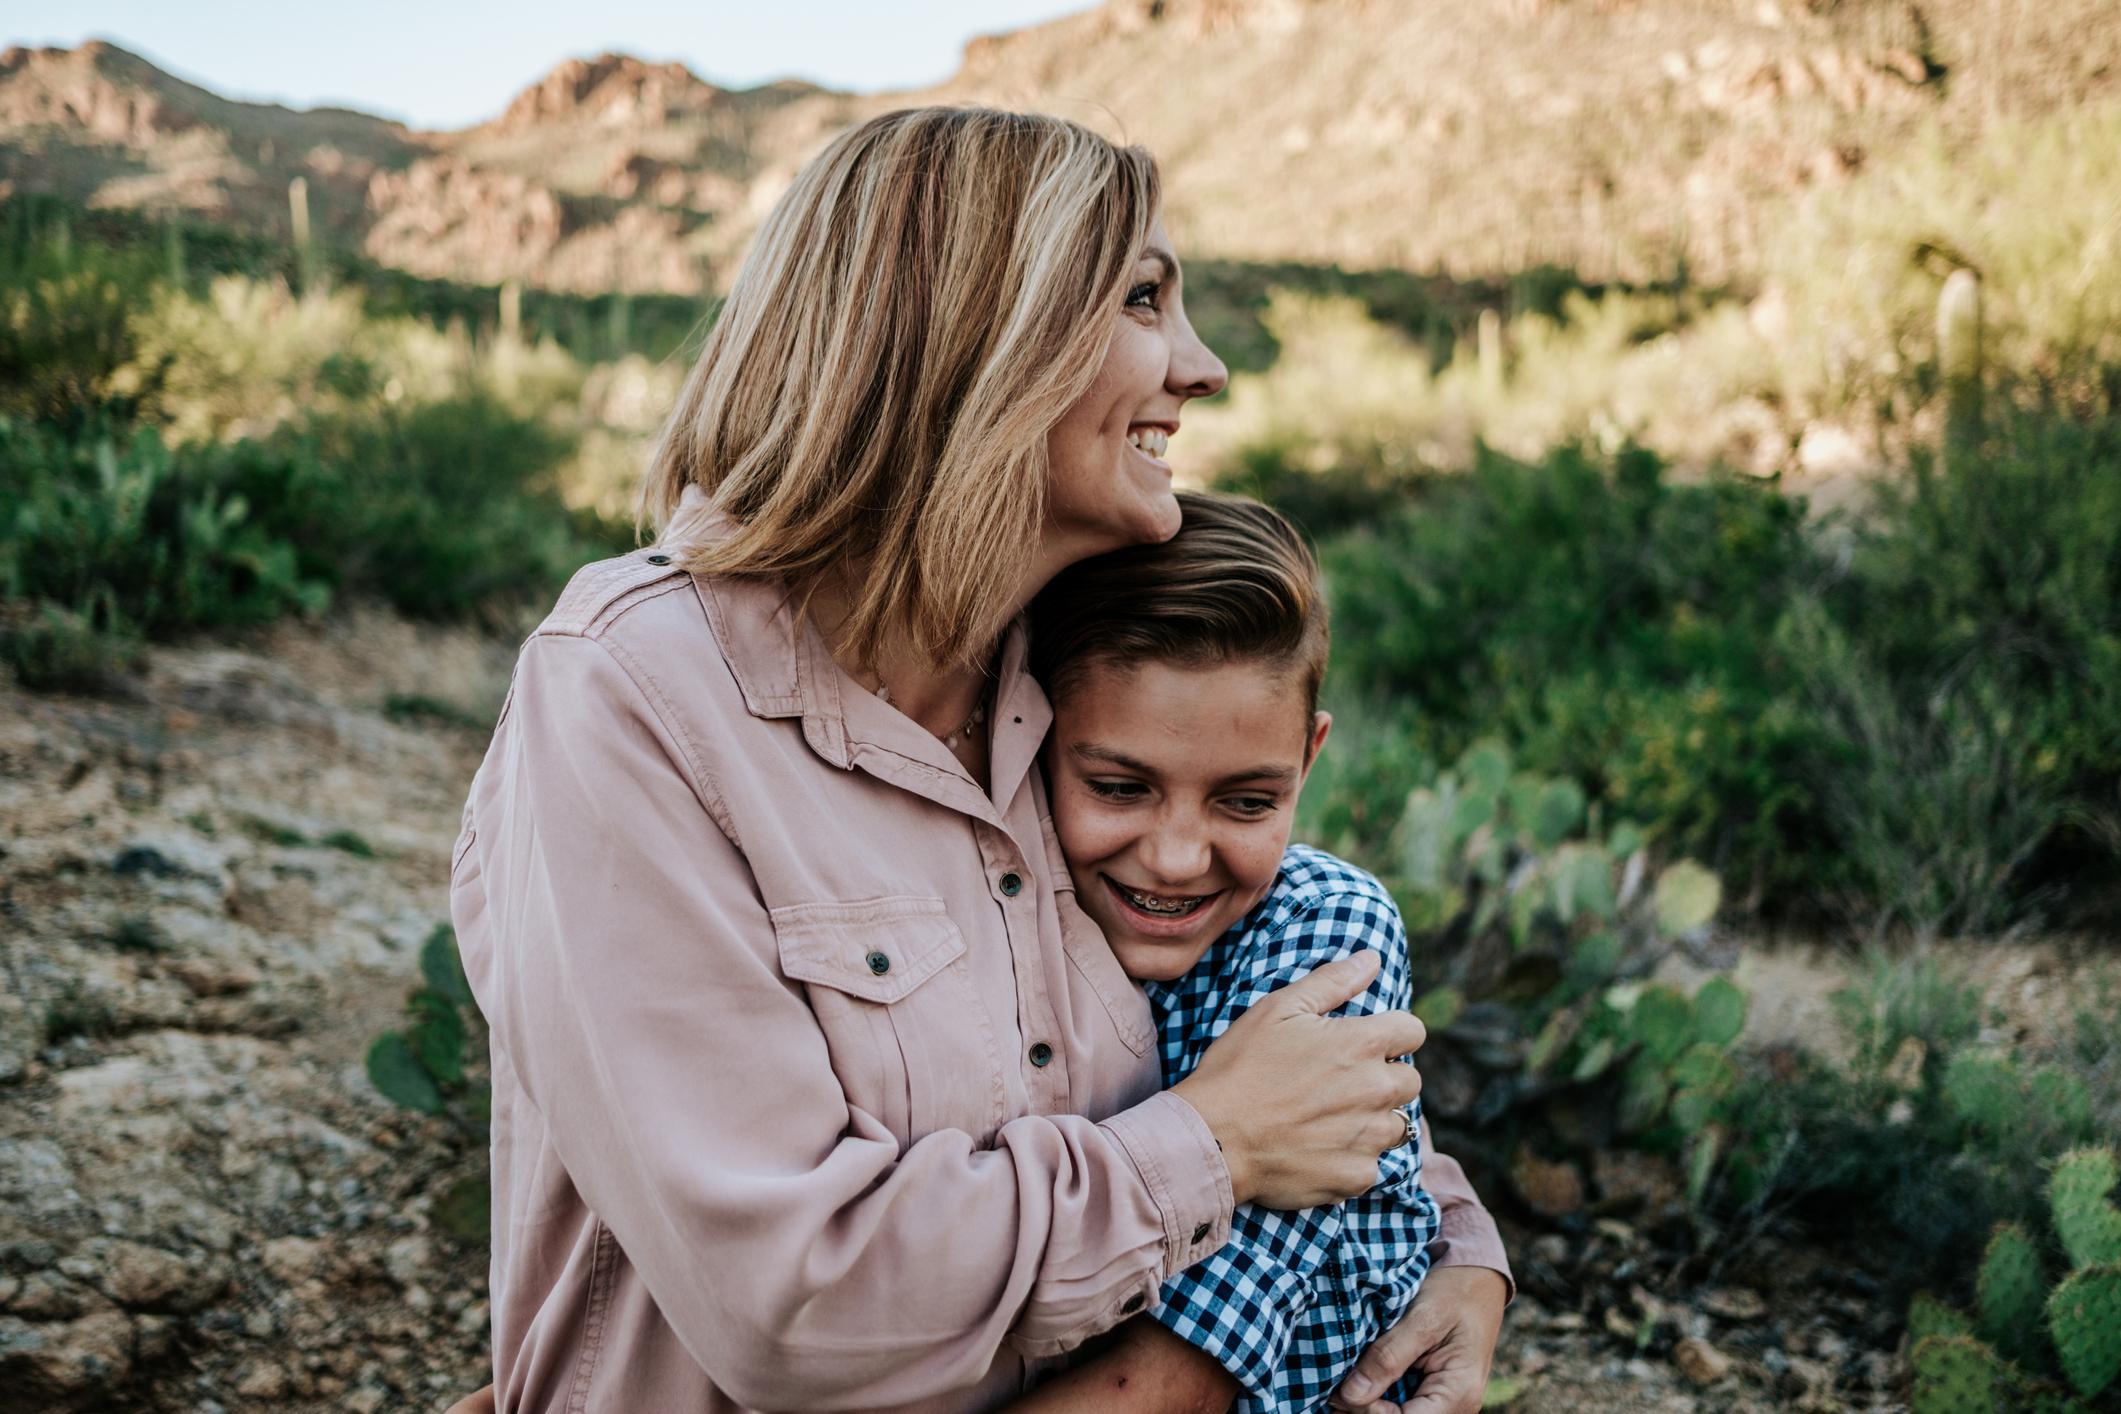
(784, 669)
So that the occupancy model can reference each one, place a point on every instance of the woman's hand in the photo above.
(1303, 1103)
(1449, 1336)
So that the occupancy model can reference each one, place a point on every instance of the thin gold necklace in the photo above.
(961, 738)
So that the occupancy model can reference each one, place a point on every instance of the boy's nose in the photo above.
(1176, 858)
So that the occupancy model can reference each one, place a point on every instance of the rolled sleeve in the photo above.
(1178, 1158)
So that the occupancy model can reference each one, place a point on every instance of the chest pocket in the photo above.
(887, 980)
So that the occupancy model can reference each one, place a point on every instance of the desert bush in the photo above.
(2023, 1331)
(434, 1064)
(1925, 1134)
(2027, 205)
(1541, 928)
(1613, 626)
(65, 321)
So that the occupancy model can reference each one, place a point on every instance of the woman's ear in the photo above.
(1321, 723)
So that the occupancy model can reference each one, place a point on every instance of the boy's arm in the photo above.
(1146, 1370)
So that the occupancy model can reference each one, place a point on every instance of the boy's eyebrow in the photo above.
(1266, 775)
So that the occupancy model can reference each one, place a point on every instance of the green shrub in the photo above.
(65, 319)
(431, 1066)
(2072, 1327)
(1614, 626)
(1540, 927)
(128, 534)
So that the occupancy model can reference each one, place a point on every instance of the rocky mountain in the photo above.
(1472, 138)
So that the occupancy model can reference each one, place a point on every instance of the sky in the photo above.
(451, 63)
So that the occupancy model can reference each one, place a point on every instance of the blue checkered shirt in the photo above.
(1293, 1298)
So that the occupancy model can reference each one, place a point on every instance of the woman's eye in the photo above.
(1144, 295)
(1115, 790)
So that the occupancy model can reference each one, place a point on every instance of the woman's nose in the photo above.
(1195, 370)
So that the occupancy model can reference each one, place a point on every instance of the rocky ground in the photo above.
(212, 895)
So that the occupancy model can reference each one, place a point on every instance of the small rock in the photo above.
(408, 1259)
(142, 1276)
(292, 1259)
(46, 1296)
(95, 1352)
(212, 976)
(1552, 1190)
(367, 1399)
(1700, 1361)
(1734, 1303)
(1634, 1182)
(262, 1380)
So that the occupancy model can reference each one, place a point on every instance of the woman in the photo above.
(810, 1089)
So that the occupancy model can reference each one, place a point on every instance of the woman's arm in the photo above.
(1144, 1370)
(631, 976)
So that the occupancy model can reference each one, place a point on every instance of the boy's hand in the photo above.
(1449, 1336)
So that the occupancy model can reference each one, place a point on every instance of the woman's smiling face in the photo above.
(1108, 482)
(1174, 789)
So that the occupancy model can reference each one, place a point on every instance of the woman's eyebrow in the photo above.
(1166, 259)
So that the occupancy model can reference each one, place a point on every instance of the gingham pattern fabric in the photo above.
(1294, 1298)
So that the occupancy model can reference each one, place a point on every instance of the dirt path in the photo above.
(204, 1206)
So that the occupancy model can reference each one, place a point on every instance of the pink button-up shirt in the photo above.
(766, 972)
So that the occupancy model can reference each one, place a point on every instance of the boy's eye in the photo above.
(1254, 806)
(1115, 790)
(1145, 295)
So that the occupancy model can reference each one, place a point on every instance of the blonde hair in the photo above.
(916, 313)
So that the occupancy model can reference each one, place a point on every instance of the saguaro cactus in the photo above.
(1959, 354)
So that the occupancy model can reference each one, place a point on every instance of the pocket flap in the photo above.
(843, 945)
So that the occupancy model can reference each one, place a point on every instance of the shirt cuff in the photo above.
(1183, 1167)
(1469, 1238)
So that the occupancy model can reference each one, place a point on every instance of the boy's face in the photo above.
(1173, 791)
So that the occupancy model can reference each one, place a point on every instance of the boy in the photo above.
(1184, 678)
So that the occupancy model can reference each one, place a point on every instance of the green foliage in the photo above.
(2085, 1216)
(350, 842)
(2009, 1294)
(1913, 719)
(1615, 626)
(1541, 923)
(424, 1066)
(1956, 1375)
(2075, 1327)
(2084, 1317)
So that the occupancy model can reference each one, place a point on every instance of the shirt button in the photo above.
(658, 559)
(878, 963)
(1012, 885)
(1200, 1234)
(1041, 1053)
(1132, 1304)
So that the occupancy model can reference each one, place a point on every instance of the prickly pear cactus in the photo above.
(1928, 1316)
(2084, 1317)
(2010, 1294)
(1956, 1374)
(2088, 1224)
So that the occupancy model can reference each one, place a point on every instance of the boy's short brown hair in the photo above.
(1238, 583)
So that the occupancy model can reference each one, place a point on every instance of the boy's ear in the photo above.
(1321, 724)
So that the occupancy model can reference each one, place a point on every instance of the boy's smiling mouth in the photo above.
(1169, 915)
